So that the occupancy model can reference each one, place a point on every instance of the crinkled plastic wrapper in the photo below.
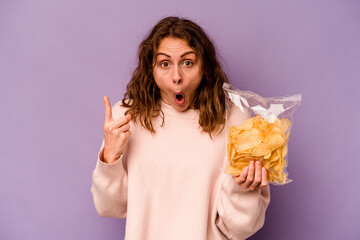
(258, 128)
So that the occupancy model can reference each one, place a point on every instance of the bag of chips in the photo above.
(258, 128)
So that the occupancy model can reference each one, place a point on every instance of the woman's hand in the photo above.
(252, 177)
(116, 134)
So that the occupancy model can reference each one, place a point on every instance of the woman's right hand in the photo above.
(116, 134)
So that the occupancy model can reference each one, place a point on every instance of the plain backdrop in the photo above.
(59, 58)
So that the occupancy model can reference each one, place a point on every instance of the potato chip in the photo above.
(257, 139)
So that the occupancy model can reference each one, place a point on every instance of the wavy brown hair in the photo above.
(143, 93)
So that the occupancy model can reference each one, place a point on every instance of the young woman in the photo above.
(166, 177)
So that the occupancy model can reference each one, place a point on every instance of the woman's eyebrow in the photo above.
(162, 54)
(170, 56)
(187, 53)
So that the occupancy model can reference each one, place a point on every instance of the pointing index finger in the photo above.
(108, 112)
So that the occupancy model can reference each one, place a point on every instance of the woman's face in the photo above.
(177, 72)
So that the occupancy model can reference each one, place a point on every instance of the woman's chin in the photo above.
(180, 107)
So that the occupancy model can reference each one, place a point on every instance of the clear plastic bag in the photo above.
(258, 128)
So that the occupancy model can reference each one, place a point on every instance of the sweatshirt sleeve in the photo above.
(110, 181)
(109, 188)
(240, 212)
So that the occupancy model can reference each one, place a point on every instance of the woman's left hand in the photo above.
(252, 177)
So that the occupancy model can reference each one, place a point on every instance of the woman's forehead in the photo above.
(171, 46)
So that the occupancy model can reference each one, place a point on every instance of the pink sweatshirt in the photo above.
(171, 185)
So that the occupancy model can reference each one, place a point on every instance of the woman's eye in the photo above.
(188, 63)
(164, 64)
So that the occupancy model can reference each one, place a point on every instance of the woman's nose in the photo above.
(176, 76)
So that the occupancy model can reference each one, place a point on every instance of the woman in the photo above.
(166, 176)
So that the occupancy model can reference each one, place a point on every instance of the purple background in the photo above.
(59, 58)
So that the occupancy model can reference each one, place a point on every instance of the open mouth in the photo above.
(179, 98)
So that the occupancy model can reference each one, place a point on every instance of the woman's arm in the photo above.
(110, 183)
